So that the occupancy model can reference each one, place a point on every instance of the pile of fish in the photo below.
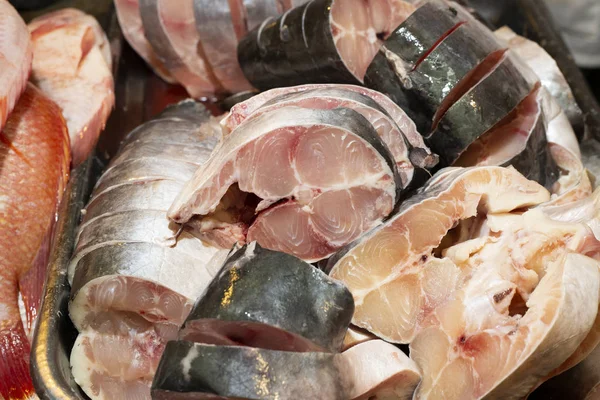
(45, 125)
(402, 213)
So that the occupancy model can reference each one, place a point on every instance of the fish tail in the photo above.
(31, 284)
(15, 380)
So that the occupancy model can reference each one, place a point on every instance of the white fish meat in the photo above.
(307, 168)
(15, 58)
(134, 276)
(72, 66)
(422, 157)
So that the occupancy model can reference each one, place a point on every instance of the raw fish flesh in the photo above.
(421, 156)
(480, 318)
(299, 307)
(306, 169)
(321, 41)
(72, 66)
(545, 67)
(34, 159)
(134, 276)
(390, 283)
(15, 58)
(170, 28)
(432, 59)
(518, 140)
(215, 22)
(130, 20)
(356, 336)
(372, 370)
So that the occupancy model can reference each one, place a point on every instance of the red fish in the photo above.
(34, 165)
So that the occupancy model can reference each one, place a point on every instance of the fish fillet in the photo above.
(15, 58)
(71, 65)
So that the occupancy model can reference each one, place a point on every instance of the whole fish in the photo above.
(296, 180)
(134, 276)
(72, 65)
(322, 41)
(15, 58)
(34, 154)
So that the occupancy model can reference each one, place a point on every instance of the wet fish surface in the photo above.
(35, 159)
(72, 65)
(15, 58)
(134, 276)
(355, 170)
(322, 41)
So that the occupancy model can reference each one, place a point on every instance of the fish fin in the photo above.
(31, 284)
(15, 381)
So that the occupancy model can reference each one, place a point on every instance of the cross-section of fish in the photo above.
(373, 370)
(15, 58)
(432, 59)
(320, 41)
(421, 156)
(394, 286)
(130, 20)
(34, 154)
(171, 29)
(216, 22)
(72, 65)
(299, 308)
(518, 140)
(134, 275)
(505, 361)
(545, 67)
(319, 179)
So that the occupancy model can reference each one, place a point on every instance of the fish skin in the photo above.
(35, 158)
(422, 85)
(219, 41)
(70, 66)
(16, 53)
(290, 50)
(170, 28)
(375, 369)
(527, 125)
(125, 246)
(477, 110)
(550, 74)
(130, 20)
(240, 111)
(296, 298)
(401, 52)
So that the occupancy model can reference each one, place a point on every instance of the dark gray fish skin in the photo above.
(535, 161)
(259, 10)
(294, 296)
(479, 110)
(388, 72)
(247, 373)
(296, 48)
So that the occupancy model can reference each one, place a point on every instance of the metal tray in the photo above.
(139, 96)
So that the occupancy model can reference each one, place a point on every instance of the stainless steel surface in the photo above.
(140, 95)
